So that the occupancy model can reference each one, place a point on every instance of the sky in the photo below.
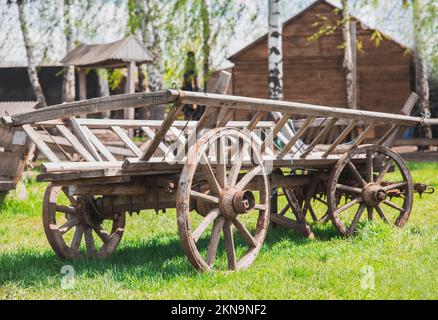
(395, 23)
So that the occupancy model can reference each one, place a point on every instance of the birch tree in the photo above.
(68, 85)
(275, 47)
(348, 56)
(31, 64)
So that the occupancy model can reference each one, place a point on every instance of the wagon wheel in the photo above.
(66, 225)
(237, 197)
(381, 184)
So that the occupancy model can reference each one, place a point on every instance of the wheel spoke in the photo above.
(356, 218)
(71, 198)
(397, 185)
(102, 234)
(212, 181)
(284, 210)
(370, 213)
(221, 163)
(237, 165)
(229, 245)
(204, 197)
(77, 237)
(381, 214)
(356, 173)
(204, 224)
(214, 240)
(347, 205)
(89, 242)
(68, 225)
(248, 177)
(65, 209)
(348, 188)
(370, 169)
(384, 170)
(250, 240)
(260, 206)
(393, 205)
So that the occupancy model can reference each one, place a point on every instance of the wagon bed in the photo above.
(218, 168)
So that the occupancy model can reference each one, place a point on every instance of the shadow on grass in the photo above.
(151, 259)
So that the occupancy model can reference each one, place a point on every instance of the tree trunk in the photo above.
(206, 33)
(31, 66)
(275, 51)
(68, 85)
(348, 56)
(421, 72)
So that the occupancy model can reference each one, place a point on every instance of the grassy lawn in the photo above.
(150, 264)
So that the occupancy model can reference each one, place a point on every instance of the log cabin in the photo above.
(313, 70)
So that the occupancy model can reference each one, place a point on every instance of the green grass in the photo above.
(149, 263)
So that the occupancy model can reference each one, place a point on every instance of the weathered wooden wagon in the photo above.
(217, 173)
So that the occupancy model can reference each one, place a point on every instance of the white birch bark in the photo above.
(68, 85)
(421, 70)
(31, 65)
(348, 55)
(275, 46)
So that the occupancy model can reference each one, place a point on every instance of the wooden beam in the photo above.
(40, 144)
(82, 136)
(108, 103)
(160, 134)
(278, 126)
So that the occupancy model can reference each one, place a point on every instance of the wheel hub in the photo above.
(233, 202)
(373, 194)
(88, 212)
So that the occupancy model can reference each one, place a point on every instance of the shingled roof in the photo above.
(114, 54)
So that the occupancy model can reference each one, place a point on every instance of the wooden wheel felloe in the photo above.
(237, 197)
(371, 179)
(70, 221)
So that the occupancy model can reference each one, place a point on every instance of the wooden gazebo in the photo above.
(127, 52)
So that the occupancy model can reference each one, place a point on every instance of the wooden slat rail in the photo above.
(82, 136)
(75, 143)
(318, 138)
(126, 140)
(161, 145)
(340, 138)
(255, 120)
(99, 145)
(160, 134)
(40, 144)
(300, 132)
(362, 136)
(278, 126)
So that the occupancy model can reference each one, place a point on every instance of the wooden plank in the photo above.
(161, 145)
(256, 104)
(102, 104)
(278, 126)
(297, 136)
(82, 166)
(255, 120)
(75, 143)
(10, 163)
(126, 140)
(362, 136)
(340, 138)
(318, 138)
(82, 136)
(154, 143)
(40, 144)
(99, 145)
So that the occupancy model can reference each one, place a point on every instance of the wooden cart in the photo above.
(221, 176)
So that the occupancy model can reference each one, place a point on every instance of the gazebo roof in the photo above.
(110, 55)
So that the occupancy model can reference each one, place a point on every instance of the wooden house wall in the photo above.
(313, 71)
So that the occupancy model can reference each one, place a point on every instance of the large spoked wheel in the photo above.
(223, 186)
(69, 221)
(374, 179)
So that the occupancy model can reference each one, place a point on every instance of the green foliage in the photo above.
(134, 22)
(115, 78)
(150, 264)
